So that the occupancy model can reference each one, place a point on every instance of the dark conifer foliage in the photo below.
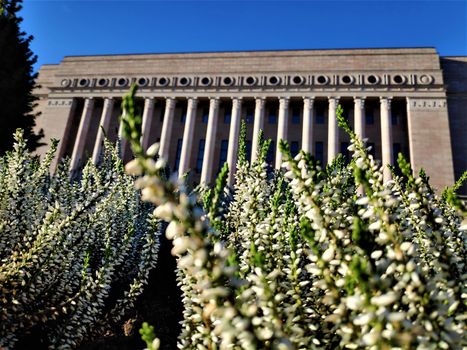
(16, 79)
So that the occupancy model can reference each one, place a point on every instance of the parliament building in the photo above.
(407, 100)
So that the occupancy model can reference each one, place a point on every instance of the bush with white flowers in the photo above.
(74, 255)
(313, 258)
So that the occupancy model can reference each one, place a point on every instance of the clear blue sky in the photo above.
(65, 27)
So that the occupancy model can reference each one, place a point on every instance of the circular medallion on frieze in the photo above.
(297, 80)
(102, 82)
(274, 80)
(250, 81)
(228, 81)
(65, 82)
(426, 79)
(163, 81)
(205, 81)
(347, 79)
(83, 82)
(398, 79)
(372, 79)
(322, 80)
(122, 82)
(184, 81)
(143, 81)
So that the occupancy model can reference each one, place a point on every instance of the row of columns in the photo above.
(188, 133)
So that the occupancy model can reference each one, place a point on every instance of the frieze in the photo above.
(253, 81)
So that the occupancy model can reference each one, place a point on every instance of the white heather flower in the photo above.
(156, 343)
(354, 302)
(134, 167)
(385, 299)
(283, 344)
(371, 338)
(181, 244)
(153, 149)
(160, 164)
(213, 293)
(363, 319)
(396, 316)
(328, 255)
(362, 201)
(165, 211)
(265, 333)
(375, 226)
(360, 162)
(150, 163)
(406, 246)
(174, 229)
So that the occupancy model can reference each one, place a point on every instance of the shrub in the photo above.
(74, 254)
(313, 258)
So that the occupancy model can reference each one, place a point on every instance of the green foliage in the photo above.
(148, 336)
(317, 259)
(74, 254)
(16, 79)
(242, 159)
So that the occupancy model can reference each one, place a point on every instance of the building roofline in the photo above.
(259, 51)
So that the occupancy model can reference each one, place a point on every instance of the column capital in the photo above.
(260, 101)
(385, 102)
(359, 101)
(284, 101)
(214, 101)
(308, 101)
(149, 101)
(236, 101)
(192, 102)
(333, 101)
(171, 101)
(109, 100)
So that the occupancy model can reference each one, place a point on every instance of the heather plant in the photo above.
(74, 254)
(313, 257)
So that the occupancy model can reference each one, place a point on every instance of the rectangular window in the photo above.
(346, 113)
(294, 148)
(223, 154)
(250, 116)
(394, 119)
(205, 116)
(272, 117)
(179, 153)
(199, 159)
(227, 117)
(295, 115)
(248, 149)
(183, 115)
(344, 151)
(320, 119)
(271, 153)
(369, 117)
(319, 152)
(396, 149)
(371, 151)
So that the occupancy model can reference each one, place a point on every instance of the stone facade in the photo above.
(405, 100)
